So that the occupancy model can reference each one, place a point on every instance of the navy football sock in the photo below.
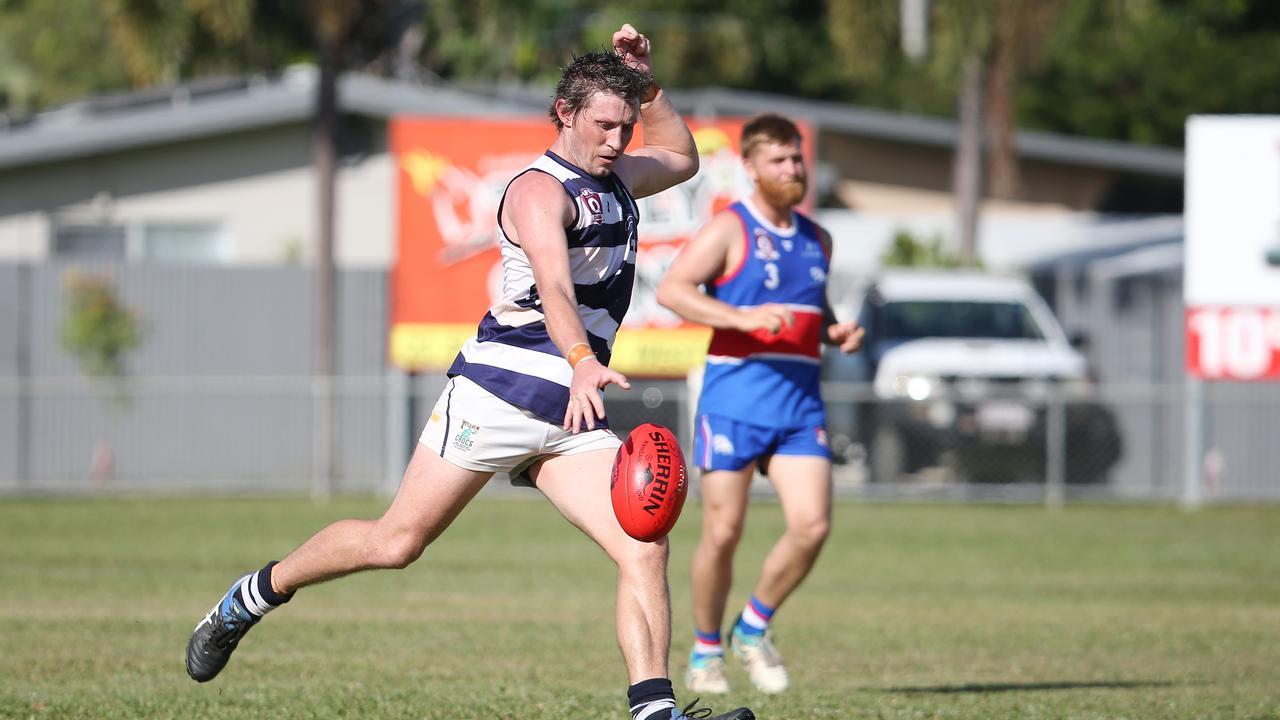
(652, 699)
(255, 594)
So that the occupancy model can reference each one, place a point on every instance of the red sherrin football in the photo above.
(649, 482)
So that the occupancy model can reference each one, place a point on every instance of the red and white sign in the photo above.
(451, 174)
(1231, 282)
(1233, 343)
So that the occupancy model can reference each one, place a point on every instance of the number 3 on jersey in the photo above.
(771, 275)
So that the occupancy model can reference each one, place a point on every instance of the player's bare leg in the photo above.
(803, 484)
(578, 485)
(432, 493)
(724, 507)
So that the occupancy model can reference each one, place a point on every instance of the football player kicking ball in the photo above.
(764, 267)
(525, 394)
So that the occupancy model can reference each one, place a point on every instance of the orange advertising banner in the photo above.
(451, 174)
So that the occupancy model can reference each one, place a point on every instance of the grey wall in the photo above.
(1136, 334)
(219, 391)
(221, 396)
(11, 281)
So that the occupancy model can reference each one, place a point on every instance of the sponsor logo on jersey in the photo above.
(765, 249)
(466, 437)
(787, 245)
(818, 274)
(594, 205)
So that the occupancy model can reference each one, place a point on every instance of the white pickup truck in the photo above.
(962, 366)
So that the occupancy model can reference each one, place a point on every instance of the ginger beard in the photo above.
(783, 193)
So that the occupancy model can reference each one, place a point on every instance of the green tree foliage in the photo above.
(52, 52)
(98, 329)
(761, 44)
(1127, 70)
(1135, 70)
(907, 250)
(1131, 70)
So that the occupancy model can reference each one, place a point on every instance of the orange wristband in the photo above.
(579, 352)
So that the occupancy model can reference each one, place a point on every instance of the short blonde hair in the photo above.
(767, 128)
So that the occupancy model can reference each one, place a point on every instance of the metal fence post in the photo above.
(398, 397)
(322, 408)
(1193, 441)
(25, 399)
(692, 389)
(1055, 460)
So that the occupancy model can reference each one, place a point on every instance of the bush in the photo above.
(98, 329)
(906, 250)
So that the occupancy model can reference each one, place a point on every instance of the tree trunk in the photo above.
(1001, 124)
(323, 154)
(967, 169)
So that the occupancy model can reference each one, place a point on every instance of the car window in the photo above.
(908, 320)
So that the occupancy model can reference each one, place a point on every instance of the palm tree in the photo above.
(978, 47)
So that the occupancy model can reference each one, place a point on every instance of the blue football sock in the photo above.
(755, 618)
(707, 644)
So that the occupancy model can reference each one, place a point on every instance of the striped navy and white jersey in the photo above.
(512, 355)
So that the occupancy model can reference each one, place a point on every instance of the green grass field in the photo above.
(913, 612)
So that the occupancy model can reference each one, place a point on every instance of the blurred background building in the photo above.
(1019, 139)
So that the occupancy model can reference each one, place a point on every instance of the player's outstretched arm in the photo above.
(845, 335)
(669, 156)
(538, 211)
(715, 249)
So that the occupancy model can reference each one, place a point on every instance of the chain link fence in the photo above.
(219, 398)
(999, 442)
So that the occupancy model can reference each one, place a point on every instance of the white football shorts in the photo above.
(475, 429)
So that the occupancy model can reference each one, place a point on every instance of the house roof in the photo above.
(218, 105)
(905, 128)
(1137, 256)
(938, 132)
(122, 122)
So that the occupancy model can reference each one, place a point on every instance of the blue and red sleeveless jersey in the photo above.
(759, 377)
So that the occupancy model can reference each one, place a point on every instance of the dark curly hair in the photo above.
(597, 71)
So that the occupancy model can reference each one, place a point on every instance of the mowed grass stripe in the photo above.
(914, 611)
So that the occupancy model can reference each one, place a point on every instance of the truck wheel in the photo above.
(888, 455)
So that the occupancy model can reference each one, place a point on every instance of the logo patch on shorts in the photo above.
(721, 445)
(465, 439)
(822, 436)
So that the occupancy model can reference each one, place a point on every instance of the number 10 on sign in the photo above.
(1233, 343)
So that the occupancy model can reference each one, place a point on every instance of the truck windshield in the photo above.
(925, 319)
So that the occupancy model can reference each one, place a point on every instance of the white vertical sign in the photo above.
(1232, 271)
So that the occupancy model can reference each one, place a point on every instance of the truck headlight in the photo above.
(916, 387)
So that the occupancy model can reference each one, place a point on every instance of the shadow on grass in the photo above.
(1030, 686)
